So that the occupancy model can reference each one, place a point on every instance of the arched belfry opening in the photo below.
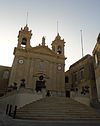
(24, 41)
(59, 49)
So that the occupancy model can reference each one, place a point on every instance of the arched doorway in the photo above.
(40, 83)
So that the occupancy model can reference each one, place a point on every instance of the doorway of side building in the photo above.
(68, 94)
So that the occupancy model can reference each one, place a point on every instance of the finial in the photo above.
(26, 28)
(58, 37)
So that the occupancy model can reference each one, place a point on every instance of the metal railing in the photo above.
(10, 111)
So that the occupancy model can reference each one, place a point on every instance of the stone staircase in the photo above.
(57, 108)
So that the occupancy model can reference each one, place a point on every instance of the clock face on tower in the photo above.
(59, 67)
(20, 61)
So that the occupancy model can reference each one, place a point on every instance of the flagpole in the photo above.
(27, 19)
(82, 43)
(57, 27)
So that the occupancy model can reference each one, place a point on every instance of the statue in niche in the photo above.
(48, 93)
(85, 90)
(14, 86)
(10, 88)
(22, 83)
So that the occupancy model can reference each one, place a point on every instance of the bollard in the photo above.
(7, 109)
(14, 112)
(10, 110)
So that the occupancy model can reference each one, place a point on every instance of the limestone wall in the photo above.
(81, 98)
(18, 98)
(98, 88)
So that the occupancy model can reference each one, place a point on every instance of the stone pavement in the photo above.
(8, 121)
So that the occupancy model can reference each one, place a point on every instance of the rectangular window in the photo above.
(41, 66)
(81, 73)
(76, 76)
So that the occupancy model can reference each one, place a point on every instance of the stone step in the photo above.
(59, 118)
(57, 115)
(55, 108)
(67, 111)
(41, 113)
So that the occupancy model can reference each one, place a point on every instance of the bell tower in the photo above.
(24, 38)
(21, 62)
(58, 45)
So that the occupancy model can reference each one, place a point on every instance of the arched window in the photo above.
(6, 74)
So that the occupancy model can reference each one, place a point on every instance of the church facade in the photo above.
(40, 67)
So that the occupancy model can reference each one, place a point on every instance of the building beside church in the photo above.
(80, 78)
(4, 79)
(83, 77)
(96, 55)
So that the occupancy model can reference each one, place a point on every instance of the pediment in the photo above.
(43, 50)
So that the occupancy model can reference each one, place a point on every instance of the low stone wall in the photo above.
(84, 99)
(57, 93)
(19, 98)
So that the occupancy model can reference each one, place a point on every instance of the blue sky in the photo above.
(72, 16)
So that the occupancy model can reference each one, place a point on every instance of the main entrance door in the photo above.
(40, 83)
(67, 93)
